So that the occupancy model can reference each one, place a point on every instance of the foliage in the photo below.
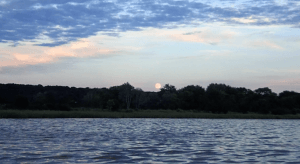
(126, 92)
(216, 98)
(21, 102)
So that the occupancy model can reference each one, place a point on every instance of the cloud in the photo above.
(265, 44)
(31, 55)
(285, 82)
(192, 33)
(4, 2)
(41, 68)
(244, 20)
(65, 21)
(205, 36)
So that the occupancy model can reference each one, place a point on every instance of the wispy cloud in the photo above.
(192, 33)
(244, 20)
(64, 21)
(265, 44)
(206, 36)
(31, 55)
(285, 82)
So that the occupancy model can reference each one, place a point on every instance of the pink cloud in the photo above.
(30, 55)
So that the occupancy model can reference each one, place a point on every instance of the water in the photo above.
(149, 141)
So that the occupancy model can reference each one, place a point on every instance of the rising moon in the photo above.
(157, 85)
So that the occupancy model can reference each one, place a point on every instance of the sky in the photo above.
(104, 43)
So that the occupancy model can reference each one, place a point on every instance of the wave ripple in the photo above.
(149, 141)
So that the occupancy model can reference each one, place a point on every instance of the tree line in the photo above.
(216, 98)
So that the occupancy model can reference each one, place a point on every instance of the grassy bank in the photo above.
(135, 114)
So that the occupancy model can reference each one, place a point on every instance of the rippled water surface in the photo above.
(149, 141)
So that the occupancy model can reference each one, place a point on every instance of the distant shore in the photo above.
(135, 114)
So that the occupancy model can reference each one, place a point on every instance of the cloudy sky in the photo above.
(103, 43)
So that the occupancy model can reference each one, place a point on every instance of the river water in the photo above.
(149, 141)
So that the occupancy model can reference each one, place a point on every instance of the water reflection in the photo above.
(149, 141)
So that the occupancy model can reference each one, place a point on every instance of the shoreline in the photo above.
(23, 114)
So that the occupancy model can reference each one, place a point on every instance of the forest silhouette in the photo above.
(216, 98)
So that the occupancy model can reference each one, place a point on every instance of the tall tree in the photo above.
(126, 93)
(139, 96)
(191, 97)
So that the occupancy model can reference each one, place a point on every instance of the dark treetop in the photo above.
(216, 98)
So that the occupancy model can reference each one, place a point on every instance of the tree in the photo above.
(110, 104)
(290, 100)
(168, 96)
(126, 93)
(264, 91)
(167, 88)
(21, 102)
(152, 101)
(139, 96)
(169, 100)
(92, 99)
(191, 97)
(217, 97)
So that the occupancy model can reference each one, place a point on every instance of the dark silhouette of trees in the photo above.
(192, 97)
(220, 98)
(264, 91)
(152, 101)
(92, 99)
(168, 97)
(139, 97)
(216, 98)
(111, 105)
(289, 102)
(21, 102)
(126, 93)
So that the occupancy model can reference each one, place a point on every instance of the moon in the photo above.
(157, 85)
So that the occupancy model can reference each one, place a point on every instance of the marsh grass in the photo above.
(96, 113)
